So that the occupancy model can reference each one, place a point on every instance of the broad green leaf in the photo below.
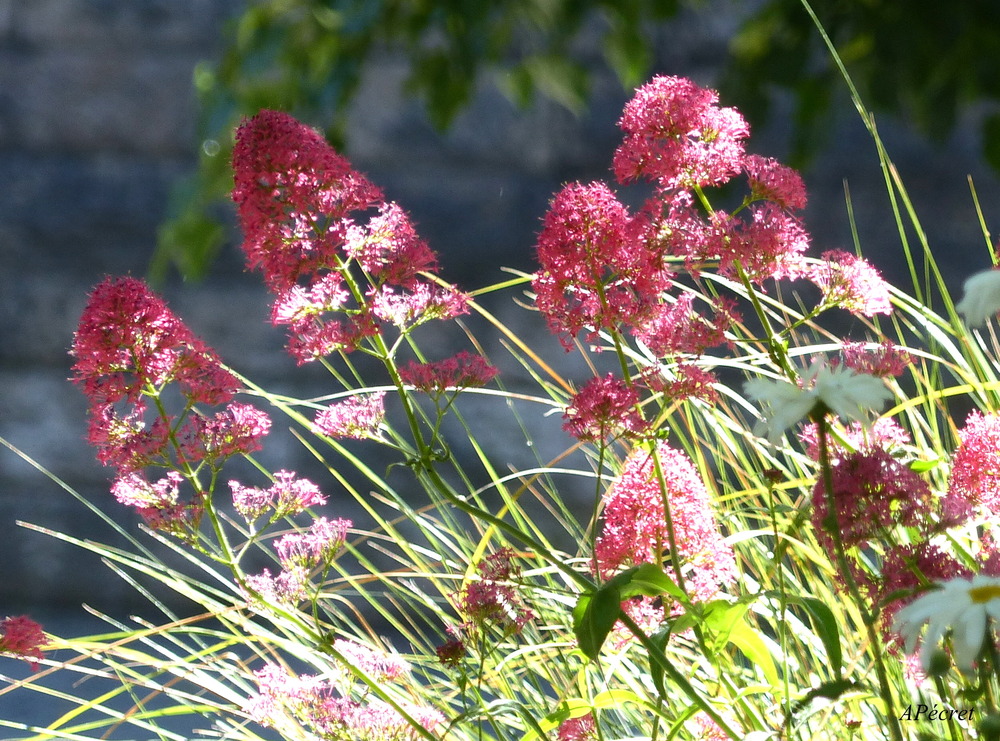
(593, 618)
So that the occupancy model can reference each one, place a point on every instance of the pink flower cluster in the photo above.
(846, 280)
(299, 552)
(975, 465)
(22, 636)
(885, 361)
(330, 712)
(463, 370)
(377, 665)
(635, 531)
(336, 269)
(605, 406)
(582, 728)
(314, 547)
(358, 417)
(130, 349)
(288, 495)
(873, 493)
(607, 269)
(492, 600)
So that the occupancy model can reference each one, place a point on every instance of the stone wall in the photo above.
(96, 122)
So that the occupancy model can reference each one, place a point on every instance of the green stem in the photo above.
(868, 617)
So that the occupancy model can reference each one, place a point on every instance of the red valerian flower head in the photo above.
(23, 637)
(634, 522)
(675, 134)
(873, 493)
(357, 417)
(463, 370)
(293, 194)
(316, 546)
(852, 283)
(288, 495)
(772, 181)
(596, 270)
(605, 406)
(883, 361)
(975, 464)
(129, 343)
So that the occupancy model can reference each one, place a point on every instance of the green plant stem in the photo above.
(868, 617)
(678, 679)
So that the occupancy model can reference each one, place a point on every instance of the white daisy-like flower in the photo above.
(981, 297)
(960, 607)
(842, 390)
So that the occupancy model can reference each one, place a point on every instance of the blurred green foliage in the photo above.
(921, 59)
(307, 56)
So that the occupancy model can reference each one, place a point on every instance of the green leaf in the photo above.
(649, 580)
(923, 466)
(825, 624)
(747, 640)
(594, 616)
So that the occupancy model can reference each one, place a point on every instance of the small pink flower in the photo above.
(634, 522)
(852, 283)
(873, 493)
(577, 729)
(317, 546)
(678, 328)
(492, 600)
(293, 194)
(691, 382)
(975, 465)
(885, 361)
(463, 370)
(236, 430)
(761, 244)
(129, 343)
(288, 587)
(772, 181)
(287, 496)
(884, 433)
(133, 490)
(906, 572)
(451, 652)
(596, 272)
(605, 406)
(159, 503)
(125, 440)
(22, 636)
(358, 417)
(418, 303)
(378, 665)
(314, 337)
(676, 135)
(389, 249)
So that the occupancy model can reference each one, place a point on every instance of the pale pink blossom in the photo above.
(378, 665)
(316, 546)
(288, 495)
(596, 271)
(463, 370)
(634, 527)
(358, 417)
(975, 464)
(852, 283)
(772, 181)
